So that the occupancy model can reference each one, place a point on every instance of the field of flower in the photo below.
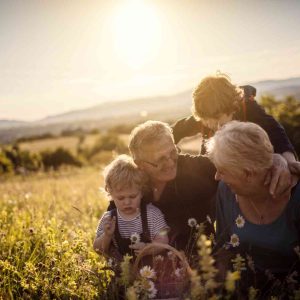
(47, 226)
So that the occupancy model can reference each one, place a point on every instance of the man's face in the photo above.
(159, 160)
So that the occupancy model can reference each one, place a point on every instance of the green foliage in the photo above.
(6, 165)
(58, 158)
(108, 142)
(287, 112)
(22, 160)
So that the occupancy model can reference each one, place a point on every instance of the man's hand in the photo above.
(109, 225)
(279, 177)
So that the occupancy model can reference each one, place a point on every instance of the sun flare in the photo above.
(136, 33)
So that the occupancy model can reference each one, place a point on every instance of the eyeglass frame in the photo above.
(164, 158)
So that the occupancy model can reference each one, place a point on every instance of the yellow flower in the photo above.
(231, 278)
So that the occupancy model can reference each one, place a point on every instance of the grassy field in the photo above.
(47, 226)
(68, 142)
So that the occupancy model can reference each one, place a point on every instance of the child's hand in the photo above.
(138, 247)
(109, 224)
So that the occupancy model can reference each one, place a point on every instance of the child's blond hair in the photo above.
(215, 96)
(123, 172)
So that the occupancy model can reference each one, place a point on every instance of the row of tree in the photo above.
(13, 159)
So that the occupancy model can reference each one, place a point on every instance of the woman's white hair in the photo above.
(241, 146)
(148, 133)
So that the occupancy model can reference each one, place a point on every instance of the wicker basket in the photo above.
(170, 289)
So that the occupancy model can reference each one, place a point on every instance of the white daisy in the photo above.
(234, 240)
(240, 221)
(147, 272)
(135, 238)
(192, 222)
(151, 290)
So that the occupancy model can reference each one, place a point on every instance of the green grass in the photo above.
(47, 226)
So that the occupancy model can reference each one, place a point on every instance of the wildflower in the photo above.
(234, 240)
(252, 293)
(192, 222)
(126, 270)
(231, 278)
(206, 262)
(240, 221)
(135, 238)
(131, 294)
(151, 289)
(147, 272)
(239, 263)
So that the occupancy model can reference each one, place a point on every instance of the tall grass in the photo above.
(47, 225)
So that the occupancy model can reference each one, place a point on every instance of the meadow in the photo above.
(47, 224)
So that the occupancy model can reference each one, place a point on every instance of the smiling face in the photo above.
(127, 200)
(236, 182)
(159, 160)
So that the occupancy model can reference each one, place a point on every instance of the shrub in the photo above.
(58, 158)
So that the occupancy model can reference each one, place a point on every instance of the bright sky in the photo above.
(58, 55)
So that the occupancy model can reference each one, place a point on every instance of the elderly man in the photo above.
(182, 186)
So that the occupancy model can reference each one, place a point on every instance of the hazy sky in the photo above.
(57, 55)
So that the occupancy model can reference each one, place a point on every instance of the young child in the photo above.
(133, 223)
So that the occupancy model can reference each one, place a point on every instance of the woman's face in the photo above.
(237, 183)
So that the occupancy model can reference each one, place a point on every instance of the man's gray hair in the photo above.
(148, 133)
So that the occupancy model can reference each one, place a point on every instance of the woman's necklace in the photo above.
(261, 214)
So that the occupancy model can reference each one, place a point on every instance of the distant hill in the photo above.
(11, 123)
(109, 114)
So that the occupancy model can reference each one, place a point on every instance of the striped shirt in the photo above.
(155, 218)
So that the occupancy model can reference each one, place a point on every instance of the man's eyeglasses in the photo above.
(164, 159)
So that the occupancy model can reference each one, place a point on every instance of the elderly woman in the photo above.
(249, 220)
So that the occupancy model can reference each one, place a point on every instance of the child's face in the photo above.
(127, 200)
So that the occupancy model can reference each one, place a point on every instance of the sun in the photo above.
(136, 30)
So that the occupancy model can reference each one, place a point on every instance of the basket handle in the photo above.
(154, 245)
